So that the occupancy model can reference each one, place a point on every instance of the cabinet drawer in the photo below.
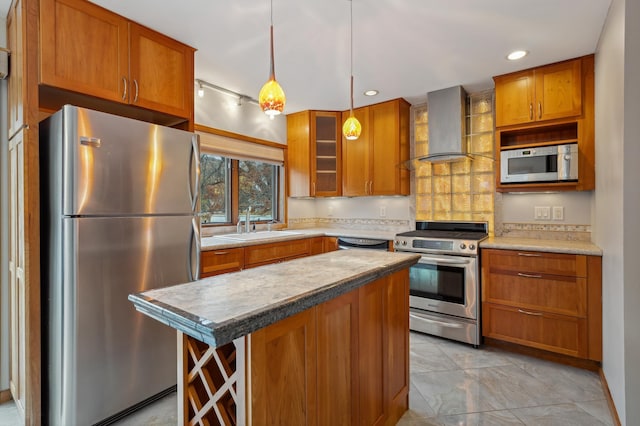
(556, 333)
(273, 252)
(216, 262)
(536, 262)
(549, 293)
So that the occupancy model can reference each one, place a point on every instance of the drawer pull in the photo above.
(529, 254)
(220, 253)
(520, 274)
(535, 314)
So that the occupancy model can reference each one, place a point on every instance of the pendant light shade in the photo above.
(271, 97)
(351, 129)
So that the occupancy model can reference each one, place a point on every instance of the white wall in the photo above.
(221, 111)
(609, 216)
(519, 208)
(631, 212)
(4, 230)
(389, 208)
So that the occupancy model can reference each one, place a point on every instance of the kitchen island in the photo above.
(317, 340)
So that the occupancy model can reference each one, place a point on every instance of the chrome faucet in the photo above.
(247, 221)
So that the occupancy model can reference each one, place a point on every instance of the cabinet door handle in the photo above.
(370, 187)
(520, 274)
(124, 91)
(530, 111)
(313, 188)
(539, 110)
(529, 254)
(220, 253)
(135, 98)
(535, 314)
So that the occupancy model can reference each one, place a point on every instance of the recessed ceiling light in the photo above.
(371, 93)
(517, 54)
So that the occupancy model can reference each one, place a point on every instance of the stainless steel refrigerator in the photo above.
(119, 215)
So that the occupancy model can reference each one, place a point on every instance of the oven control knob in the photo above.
(472, 247)
(404, 242)
(463, 246)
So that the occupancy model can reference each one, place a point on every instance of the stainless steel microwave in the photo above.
(557, 163)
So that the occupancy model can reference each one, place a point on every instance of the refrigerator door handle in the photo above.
(194, 175)
(194, 247)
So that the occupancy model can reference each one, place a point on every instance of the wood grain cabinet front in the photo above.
(89, 50)
(545, 93)
(264, 254)
(549, 301)
(344, 362)
(215, 262)
(373, 164)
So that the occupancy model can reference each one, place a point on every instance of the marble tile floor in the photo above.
(454, 384)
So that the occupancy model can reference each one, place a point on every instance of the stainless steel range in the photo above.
(444, 286)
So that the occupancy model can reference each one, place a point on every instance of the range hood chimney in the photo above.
(447, 135)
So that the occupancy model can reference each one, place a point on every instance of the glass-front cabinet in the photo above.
(314, 165)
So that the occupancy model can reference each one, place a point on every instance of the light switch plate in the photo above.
(542, 213)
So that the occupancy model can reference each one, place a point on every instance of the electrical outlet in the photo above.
(330, 212)
(542, 213)
(383, 211)
(558, 213)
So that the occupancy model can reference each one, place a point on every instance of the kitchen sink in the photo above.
(259, 235)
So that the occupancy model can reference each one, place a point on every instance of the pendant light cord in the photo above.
(350, 49)
(272, 71)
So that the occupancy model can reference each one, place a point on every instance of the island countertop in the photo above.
(219, 309)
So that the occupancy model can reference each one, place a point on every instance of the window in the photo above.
(215, 189)
(228, 187)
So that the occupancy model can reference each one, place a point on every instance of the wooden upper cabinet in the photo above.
(314, 154)
(161, 70)
(390, 145)
(546, 93)
(356, 171)
(373, 163)
(92, 51)
(84, 48)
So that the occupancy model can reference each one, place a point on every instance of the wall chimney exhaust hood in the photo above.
(447, 129)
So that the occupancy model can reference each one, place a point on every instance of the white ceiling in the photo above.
(403, 48)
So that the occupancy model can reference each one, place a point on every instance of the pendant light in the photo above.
(271, 98)
(351, 128)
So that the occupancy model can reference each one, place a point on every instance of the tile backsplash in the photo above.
(461, 190)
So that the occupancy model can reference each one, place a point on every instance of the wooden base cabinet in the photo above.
(548, 301)
(344, 362)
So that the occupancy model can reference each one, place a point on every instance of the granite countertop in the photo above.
(219, 309)
(552, 246)
(216, 243)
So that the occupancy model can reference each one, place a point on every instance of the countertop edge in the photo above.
(218, 334)
(551, 246)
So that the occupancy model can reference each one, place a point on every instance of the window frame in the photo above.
(279, 187)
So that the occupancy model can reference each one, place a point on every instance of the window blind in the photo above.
(238, 149)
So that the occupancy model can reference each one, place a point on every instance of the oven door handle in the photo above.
(444, 260)
(442, 323)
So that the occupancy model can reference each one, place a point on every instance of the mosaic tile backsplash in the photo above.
(461, 190)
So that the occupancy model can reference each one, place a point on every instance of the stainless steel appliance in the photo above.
(119, 215)
(444, 286)
(345, 243)
(541, 164)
